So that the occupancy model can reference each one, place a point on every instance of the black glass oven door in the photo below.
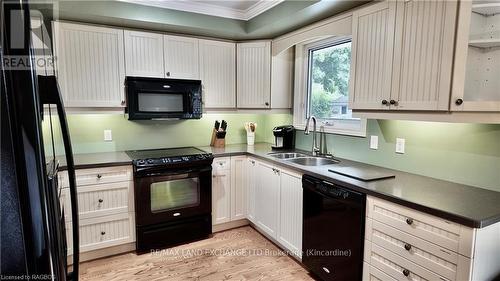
(163, 198)
(176, 193)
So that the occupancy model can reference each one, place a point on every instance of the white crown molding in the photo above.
(210, 9)
(260, 7)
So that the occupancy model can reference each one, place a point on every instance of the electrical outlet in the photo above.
(108, 135)
(400, 145)
(374, 142)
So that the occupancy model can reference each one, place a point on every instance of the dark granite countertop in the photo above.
(467, 205)
(96, 160)
(463, 204)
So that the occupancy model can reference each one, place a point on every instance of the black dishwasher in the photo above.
(333, 230)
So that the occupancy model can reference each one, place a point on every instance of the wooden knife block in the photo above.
(215, 142)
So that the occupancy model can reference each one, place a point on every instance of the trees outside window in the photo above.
(328, 81)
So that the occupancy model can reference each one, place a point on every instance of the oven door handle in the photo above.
(174, 174)
(175, 177)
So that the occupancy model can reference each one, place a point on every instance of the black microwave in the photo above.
(162, 98)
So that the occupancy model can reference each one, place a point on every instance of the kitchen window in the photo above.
(323, 87)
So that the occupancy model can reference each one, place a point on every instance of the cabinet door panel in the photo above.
(218, 73)
(372, 54)
(143, 54)
(181, 57)
(90, 65)
(423, 55)
(254, 74)
(267, 199)
(282, 73)
(221, 197)
(252, 183)
(476, 86)
(239, 181)
(290, 234)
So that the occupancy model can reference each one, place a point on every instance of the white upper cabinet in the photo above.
(254, 74)
(282, 73)
(218, 73)
(423, 55)
(181, 57)
(476, 86)
(90, 65)
(402, 55)
(144, 54)
(371, 56)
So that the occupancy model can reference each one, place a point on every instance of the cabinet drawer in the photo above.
(398, 267)
(102, 200)
(437, 259)
(98, 176)
(371, 273)
(223, 163)
(444, 233)
(104, 232)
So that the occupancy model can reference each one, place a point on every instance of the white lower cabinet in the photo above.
(267, 203)
(221, 191)
(290, 222)
(239, 184)
(406, 244)
(105, 207)
(103, 232)
(251, 188)
(371, 273)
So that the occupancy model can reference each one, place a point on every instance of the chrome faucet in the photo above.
(315, 148)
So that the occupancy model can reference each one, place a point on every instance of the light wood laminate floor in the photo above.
(237, 254)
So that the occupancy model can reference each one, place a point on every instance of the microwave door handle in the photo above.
(50, 95)
(190, 97)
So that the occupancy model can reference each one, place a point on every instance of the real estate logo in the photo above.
(38, 40)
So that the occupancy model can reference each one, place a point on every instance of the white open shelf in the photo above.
(485, 43)
(487, 9)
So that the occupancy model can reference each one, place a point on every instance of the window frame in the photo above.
(350, 127)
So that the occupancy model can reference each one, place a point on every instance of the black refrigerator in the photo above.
(34, 136)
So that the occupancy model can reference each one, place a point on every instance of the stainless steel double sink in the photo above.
(303, 159)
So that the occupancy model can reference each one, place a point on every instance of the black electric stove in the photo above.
(173, 196)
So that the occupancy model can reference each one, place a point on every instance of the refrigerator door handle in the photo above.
(51, 95)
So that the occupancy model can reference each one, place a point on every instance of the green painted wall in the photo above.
(87, 131)
(463, 153)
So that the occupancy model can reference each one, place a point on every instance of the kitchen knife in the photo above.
(224, 125)
(217, 124)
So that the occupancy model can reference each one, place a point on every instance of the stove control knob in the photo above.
(141, 162)
(150, 161)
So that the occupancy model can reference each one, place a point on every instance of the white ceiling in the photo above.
(234, 9)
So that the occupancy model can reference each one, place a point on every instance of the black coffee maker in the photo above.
(284, 137)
